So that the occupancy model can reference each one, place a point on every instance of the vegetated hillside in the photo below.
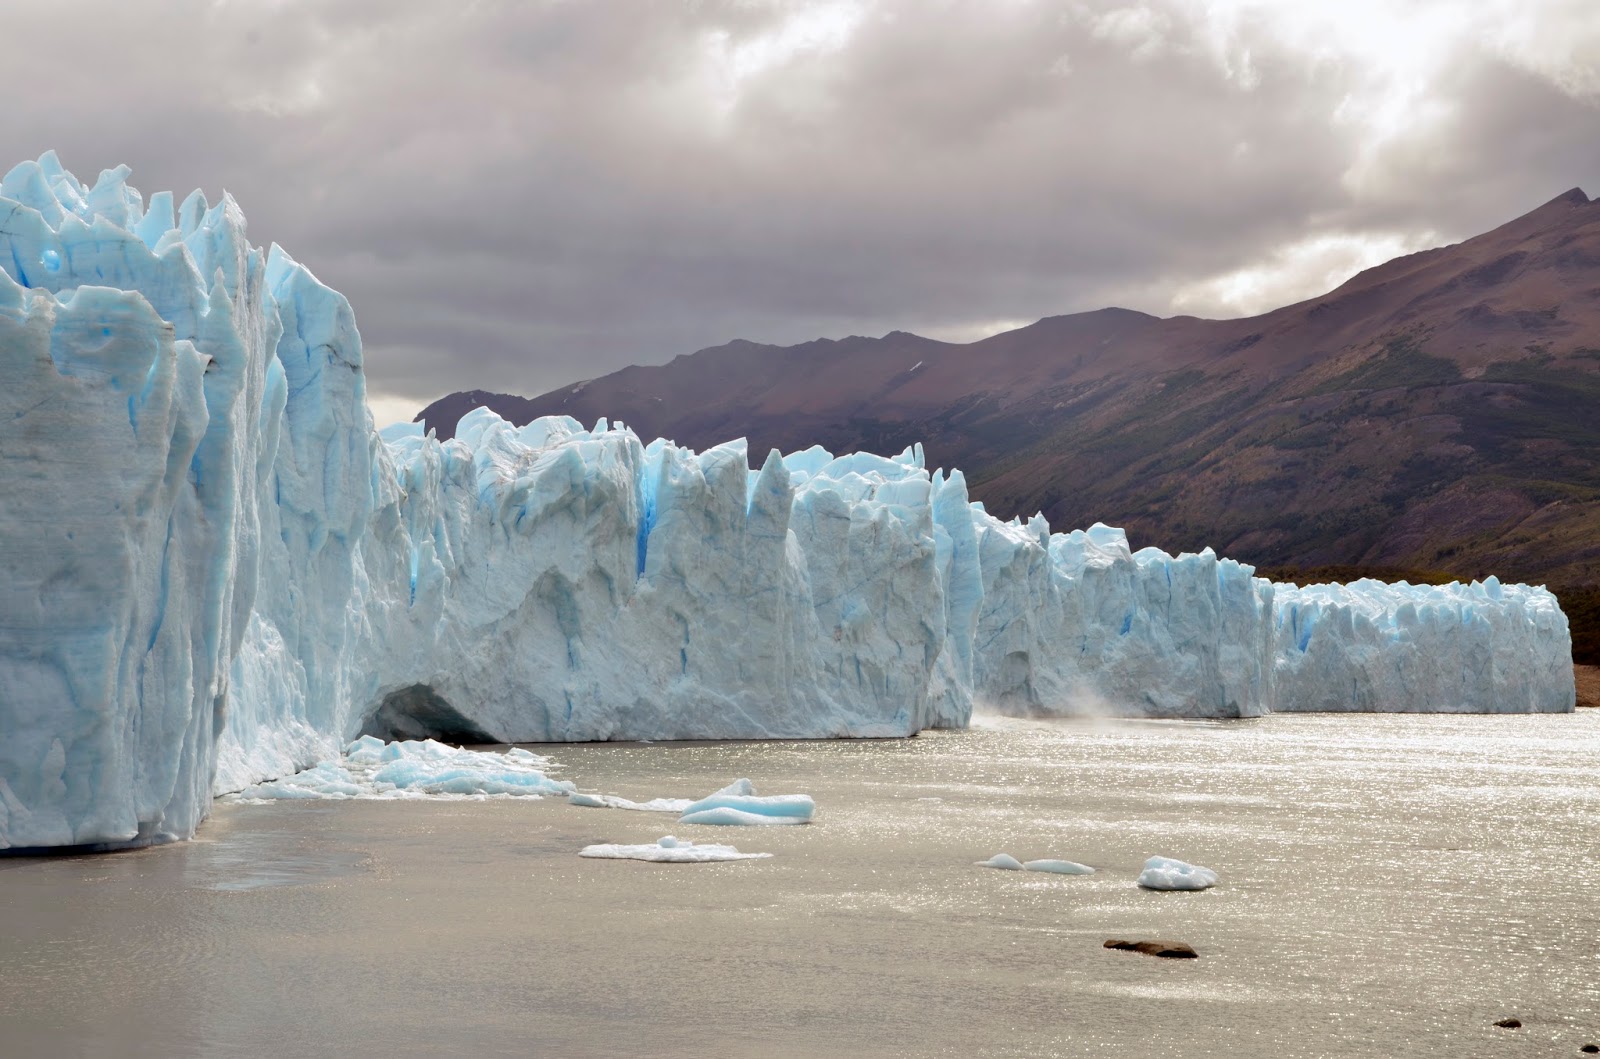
(1438, 413)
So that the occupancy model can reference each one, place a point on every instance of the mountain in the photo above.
(1437, 415)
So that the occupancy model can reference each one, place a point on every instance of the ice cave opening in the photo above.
(418, 712)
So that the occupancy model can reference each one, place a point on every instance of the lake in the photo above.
(1391, 886)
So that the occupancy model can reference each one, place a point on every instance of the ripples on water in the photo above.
(1391, 885)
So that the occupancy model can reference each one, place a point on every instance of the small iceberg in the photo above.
(1164, 873)
(1006, 862)
(669, 850)
(1059, 867)
(738, 804)
(611, 801)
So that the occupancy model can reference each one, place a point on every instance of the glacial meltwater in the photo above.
(1391, 885)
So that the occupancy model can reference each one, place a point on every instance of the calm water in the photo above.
(1391, 886)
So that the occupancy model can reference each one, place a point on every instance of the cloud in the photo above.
(1294, 272)
(516, 195)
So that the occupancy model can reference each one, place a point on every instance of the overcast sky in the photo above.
(519, 195)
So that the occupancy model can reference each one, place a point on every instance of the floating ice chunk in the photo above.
(668, 850)
(323, 780)
(1164, 873)
(371, 768)
(429, 778)
(727, 816)
(430, 767)
(611, 801)
(1059, 867)
(1007, 862)
(738, 803)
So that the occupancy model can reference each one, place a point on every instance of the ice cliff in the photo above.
(213, 571)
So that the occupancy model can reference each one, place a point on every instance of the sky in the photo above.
(520, 195)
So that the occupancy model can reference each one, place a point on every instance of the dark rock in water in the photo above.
(1510, 1024)
(1590, 1049)
(1172, 950)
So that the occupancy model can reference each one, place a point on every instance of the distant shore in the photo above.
(1588, 685)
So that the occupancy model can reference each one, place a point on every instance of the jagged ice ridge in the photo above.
(213, 571)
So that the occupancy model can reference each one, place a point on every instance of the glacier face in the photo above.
(213, 571)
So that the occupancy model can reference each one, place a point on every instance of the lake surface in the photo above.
(1391, 885)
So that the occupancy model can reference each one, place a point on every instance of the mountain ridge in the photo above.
(1436, 412)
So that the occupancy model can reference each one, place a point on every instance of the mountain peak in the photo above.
(1561, 205)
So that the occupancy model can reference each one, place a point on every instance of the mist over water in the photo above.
(1391, 885)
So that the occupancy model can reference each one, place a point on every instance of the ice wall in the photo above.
(1370, 646)
(1077, 623)
(213, 571)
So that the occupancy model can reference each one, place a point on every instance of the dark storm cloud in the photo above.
(514, 196)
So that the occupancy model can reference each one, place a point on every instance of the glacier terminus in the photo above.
(214, 571)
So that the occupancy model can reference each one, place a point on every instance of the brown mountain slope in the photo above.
(1438, 412)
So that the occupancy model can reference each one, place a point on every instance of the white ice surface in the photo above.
(611, 801)
(727, 816)
(669, 850)
(1058, 867)
(1164, 873)
(213, 571)
(1007, 862)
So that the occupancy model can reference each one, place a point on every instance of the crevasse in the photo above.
(213, 571)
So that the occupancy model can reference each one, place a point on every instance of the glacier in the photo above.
(215, 572)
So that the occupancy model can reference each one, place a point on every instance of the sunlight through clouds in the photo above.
(1300, 270)
(521, 195)
(802, 32)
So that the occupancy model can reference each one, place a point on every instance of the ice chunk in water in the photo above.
(611, 801)
(668, 850)
(738, 803)
(1059, 867)
(371, 768)
(725, 816)
(1164, 873)
(326, 779)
